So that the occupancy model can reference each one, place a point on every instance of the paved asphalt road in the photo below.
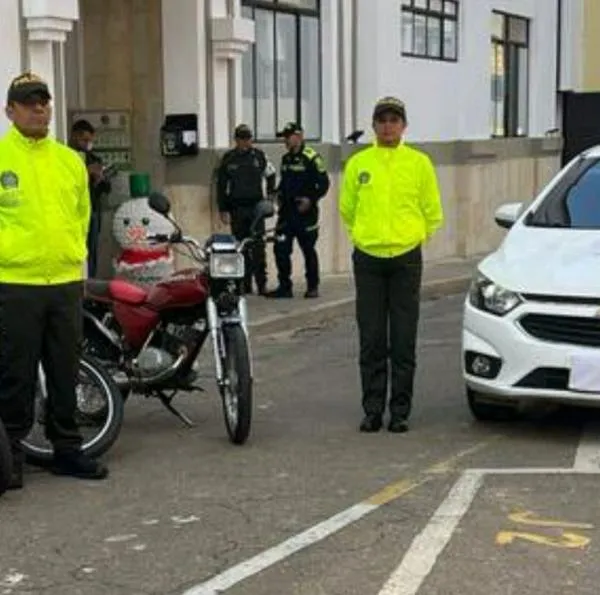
(183, 506)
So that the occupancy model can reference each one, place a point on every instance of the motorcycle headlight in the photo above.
(491, 297)
(227, 265)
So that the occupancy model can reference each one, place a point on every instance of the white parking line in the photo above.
(419, 560)
(429, 544)
(588, 453)
(317, 533)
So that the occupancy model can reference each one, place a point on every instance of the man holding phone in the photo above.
(82, 140)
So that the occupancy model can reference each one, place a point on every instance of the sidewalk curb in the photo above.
(320, 313)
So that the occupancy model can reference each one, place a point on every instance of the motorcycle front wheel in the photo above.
(236, 392)
(5, 460)
(99, 413)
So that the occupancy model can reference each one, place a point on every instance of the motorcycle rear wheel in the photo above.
(5, 460)
(102, 441)
(237, 393)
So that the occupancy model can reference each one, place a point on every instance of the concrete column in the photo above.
(185, 62)
(230, 36)
(10, 57)
(202, 41)
(331, 42)
(48, 23)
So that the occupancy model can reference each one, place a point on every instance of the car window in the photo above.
(583, 200)
(574, 202)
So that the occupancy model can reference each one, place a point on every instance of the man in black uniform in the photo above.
(239, 189)
(82, 140)
(304, 181)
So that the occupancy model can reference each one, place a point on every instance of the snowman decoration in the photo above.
(140, 261)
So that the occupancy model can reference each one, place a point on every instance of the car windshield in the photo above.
(574, 202)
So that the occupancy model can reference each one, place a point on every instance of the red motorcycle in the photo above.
(149, 339)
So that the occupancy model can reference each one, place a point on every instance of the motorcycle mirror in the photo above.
(160, 203)
(263, 210)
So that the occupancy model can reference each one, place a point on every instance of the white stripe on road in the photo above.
(278, 553)
(588, 452)
(317, 533)
(423, 552)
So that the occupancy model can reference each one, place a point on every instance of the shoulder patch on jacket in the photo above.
(319, 163)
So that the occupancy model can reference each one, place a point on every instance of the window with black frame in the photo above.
(281, 80)
(510, 75)
(430, 29)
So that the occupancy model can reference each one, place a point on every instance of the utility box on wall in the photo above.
(179, 135)
(114, 142)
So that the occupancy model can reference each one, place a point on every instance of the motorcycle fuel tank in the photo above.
(184, 289)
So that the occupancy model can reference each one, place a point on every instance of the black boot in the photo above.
(280, 293)
(371, 423)
(77, 464)
(398, 425)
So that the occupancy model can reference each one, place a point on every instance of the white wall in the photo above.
(10, 55)
(184, 61)
(571, 59)
(447, 101)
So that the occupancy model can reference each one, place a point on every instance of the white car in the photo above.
(531, 322)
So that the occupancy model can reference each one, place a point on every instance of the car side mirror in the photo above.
(507, 214)
(160, 203)
(263, 210)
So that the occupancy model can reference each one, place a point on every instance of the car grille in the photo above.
(573, 330)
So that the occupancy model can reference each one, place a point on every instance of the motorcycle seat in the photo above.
(116, 290)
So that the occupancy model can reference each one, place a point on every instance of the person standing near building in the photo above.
(390, 204)
(44, 220)
(304, 181)
(82, 140)
(239, 189)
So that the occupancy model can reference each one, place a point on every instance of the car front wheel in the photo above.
(483, 410)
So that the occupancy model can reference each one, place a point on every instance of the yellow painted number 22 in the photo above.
(566, 539)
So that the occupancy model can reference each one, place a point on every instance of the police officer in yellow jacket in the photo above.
(44, 219)
(390, 204)
(304, 181)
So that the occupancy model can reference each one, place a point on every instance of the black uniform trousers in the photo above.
(306, 235)
(40, 323)
(93, 240)
(387, 311)
(255, 257)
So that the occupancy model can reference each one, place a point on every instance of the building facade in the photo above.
(482, 81)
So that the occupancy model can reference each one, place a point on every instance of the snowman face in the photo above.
(134, 221)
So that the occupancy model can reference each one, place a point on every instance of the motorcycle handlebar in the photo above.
(178, 238)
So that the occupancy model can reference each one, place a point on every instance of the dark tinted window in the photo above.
(575, 200)
(583, 200)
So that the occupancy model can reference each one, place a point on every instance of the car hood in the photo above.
(562, 262)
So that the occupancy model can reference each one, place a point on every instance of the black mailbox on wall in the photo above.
(179, 135)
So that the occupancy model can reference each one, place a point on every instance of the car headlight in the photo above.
(226, 265)
(491, 297)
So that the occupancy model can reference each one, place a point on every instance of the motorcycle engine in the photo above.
(165, 349)
(153, 360)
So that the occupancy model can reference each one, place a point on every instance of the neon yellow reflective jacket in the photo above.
(44, 211)
(390, 200)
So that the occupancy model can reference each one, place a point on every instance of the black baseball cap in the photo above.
(243, 131)
(389, 104)
(289, 129)
(26, 86)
